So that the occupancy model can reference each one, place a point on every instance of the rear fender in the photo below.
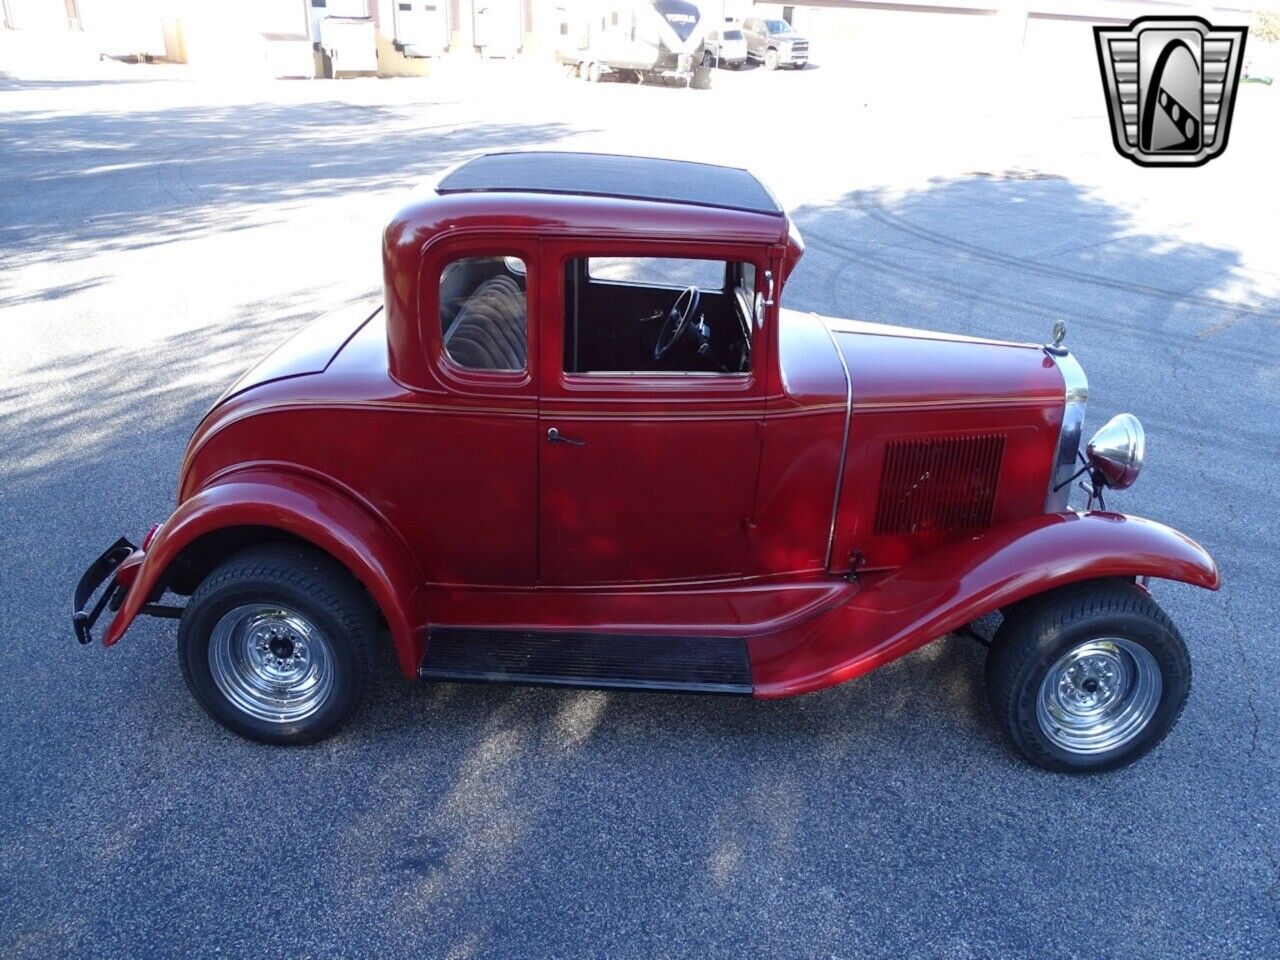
(949, 587)
(307, 508)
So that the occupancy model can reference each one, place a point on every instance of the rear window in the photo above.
(733, 34)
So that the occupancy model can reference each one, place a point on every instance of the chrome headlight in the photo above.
(1115, 453)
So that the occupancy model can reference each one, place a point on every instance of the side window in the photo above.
(657, 315)
(483, 313)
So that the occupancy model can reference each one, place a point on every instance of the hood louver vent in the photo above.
(944, 485)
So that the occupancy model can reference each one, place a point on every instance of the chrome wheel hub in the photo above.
(271, 663)
(1099, 695)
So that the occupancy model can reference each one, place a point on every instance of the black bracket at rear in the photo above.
(83, 617)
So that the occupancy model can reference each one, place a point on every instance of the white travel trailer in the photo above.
(636, 39)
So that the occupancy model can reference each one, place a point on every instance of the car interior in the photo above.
(657, 315)
(622, 315)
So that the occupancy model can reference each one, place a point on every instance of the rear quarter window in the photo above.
(483, 310)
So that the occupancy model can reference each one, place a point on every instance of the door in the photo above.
(647, 469)
(422, 27)
(499, 27)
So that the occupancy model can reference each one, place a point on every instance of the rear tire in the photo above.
(593, 72)
(277, 644)
(1089, 677)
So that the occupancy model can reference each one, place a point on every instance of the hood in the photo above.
(901, 368)
(308, 351)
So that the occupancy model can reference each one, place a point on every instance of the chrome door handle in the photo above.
(553, 436)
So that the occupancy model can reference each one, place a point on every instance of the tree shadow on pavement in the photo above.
(211, 168)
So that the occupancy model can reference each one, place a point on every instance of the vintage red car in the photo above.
(580, 443)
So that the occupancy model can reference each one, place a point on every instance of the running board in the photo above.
(612, 661)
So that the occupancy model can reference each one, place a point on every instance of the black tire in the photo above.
(314, 587)
(1040, 632)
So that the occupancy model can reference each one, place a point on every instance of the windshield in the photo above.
(777, 26)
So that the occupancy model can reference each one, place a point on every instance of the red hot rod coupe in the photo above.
(580, 443)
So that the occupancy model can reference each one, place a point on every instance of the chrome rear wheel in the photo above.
(277, 643)
(271, 663)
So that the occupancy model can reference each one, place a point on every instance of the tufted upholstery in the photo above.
(490, 331)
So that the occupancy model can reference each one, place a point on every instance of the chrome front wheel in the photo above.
(271, 663)
(1099, 695)
(1088, 677)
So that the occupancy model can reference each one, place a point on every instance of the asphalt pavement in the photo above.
(157, 234)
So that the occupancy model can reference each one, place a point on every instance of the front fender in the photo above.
(943, 590)
(307, 508)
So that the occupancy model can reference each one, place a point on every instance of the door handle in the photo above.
(553, 436)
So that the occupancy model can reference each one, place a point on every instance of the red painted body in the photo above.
(713, 506)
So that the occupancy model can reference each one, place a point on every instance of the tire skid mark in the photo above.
(877, 211)
(969, 293)
(824, 244)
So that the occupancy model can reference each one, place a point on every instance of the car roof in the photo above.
(612, 175)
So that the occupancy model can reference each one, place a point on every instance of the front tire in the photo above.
(1089, 677)
(277, 644)
(771, 60)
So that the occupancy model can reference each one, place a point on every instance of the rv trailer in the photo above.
(634, 39)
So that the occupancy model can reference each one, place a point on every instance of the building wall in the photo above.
(942, 39)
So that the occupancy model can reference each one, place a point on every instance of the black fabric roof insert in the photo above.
(610, 175)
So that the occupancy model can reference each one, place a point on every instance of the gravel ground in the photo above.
(157, 234)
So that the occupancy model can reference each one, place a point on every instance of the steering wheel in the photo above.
(677, 322)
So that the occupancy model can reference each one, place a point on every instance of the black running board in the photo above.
(610, 661)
